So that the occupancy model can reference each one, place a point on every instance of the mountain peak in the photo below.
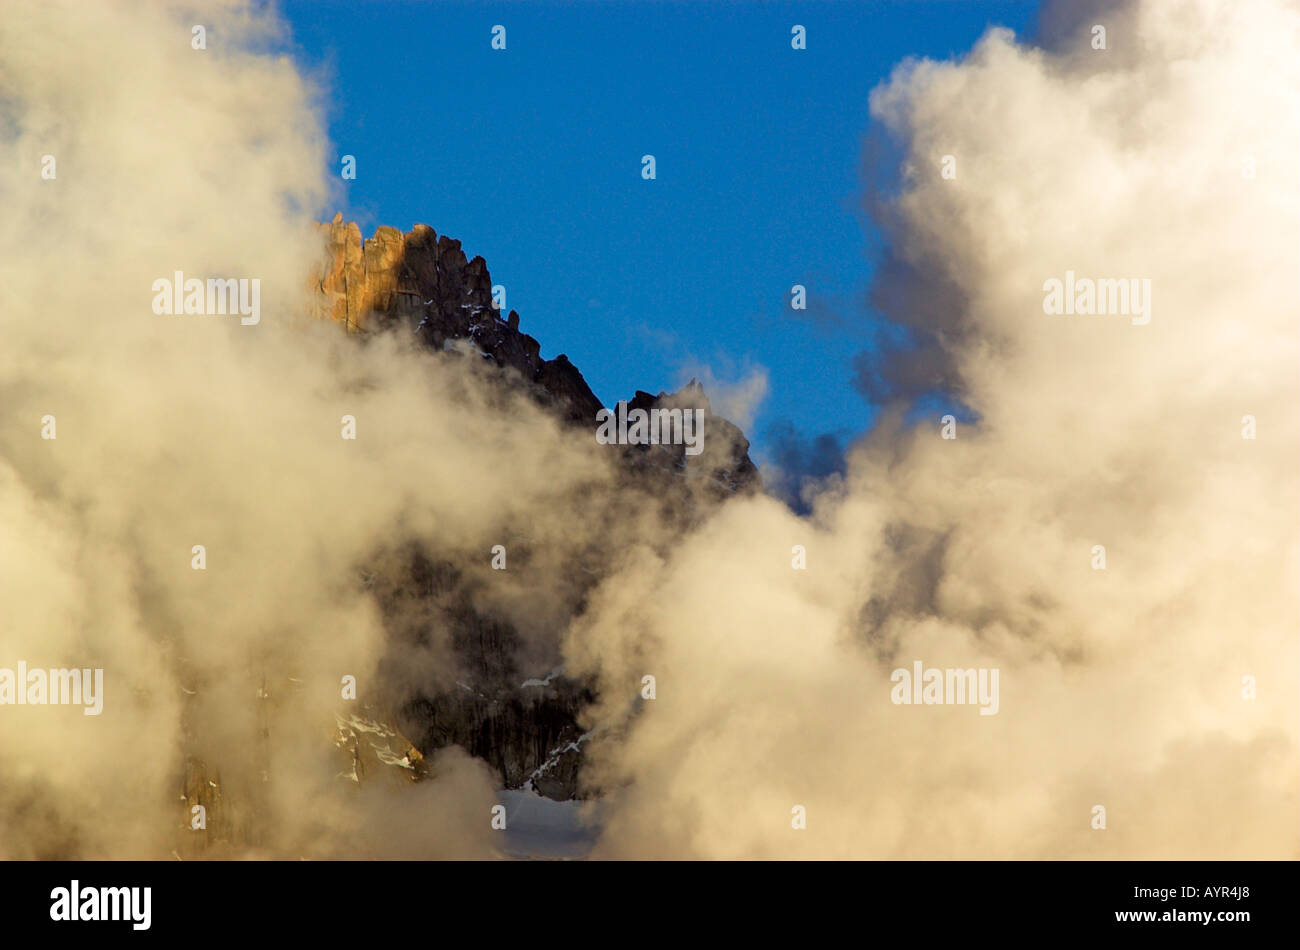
(425, 284)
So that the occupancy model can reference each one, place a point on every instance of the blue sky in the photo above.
(532, 158)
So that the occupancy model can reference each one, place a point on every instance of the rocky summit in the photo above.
(424, 282)
(523, 722)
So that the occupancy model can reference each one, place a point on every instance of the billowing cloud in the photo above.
(1161, 687)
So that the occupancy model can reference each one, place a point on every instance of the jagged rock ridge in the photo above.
(424, 281)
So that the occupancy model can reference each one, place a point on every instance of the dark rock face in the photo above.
(524, 723)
